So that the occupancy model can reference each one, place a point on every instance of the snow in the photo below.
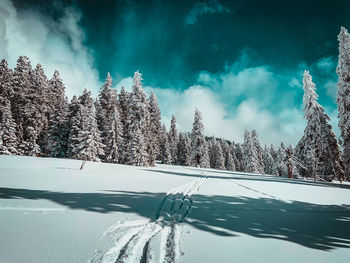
(50, 211)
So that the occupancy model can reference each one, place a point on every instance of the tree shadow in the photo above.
(262, 178)
(322, 227)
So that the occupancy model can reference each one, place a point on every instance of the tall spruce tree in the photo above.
(343, 93)
(173, 139)
(154, 128)
(199, 149)
(165, 155)
(59, 131)
(319, 136)
(184, 149)
(114, 139)
(138, 122)
(6, 75)
(8, 137)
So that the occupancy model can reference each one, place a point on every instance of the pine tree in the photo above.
(7, 129)
(90, 146)
(21, 82)
(6, 89)
(239, 158)
(199, 149)
(138, 122)
(280, 162)
(219, 161)
(107, 105)
(114, 139)
(59, 131)
(291, 164)
(269, 163)
(154, 128)
(184, 149)
(29, 146)
(173, 139)
(74, 124)
(343, 71)
(252, 159)
(319, 135)
(165, 155)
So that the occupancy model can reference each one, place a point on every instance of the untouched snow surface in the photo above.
(50, 211)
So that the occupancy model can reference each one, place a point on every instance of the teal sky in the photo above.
(239, 62)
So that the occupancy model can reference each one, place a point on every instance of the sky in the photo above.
(239, 62)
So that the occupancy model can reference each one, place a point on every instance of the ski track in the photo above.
(132, 238)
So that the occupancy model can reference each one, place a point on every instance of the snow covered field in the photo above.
(50, 211)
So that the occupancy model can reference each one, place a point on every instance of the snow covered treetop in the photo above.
(137, 80)
(310, 96)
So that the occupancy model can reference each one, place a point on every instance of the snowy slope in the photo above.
(50, 211)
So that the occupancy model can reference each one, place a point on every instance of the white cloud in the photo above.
(56, 45)
(201, 8)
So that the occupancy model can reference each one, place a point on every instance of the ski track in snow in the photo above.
(132, 239)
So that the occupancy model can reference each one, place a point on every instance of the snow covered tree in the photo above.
(229, 162)
(343, 71)
(219, 161)
(114, 139)
(319, 135)
(291, 163)
(6, 89)
(239, 157)
(90, 146)
(280, 161)
(123, 102)
(56, 91)
(107, 105)
(252, 159)
(165, 155)
(173, 139)
(199, 149)
(59, 131)
(29, 146)
(74, 124)
(39, 107)
(7, 129)
(184, 149)
(21, 82)
(155, 128)
(137, 123)
(269, 162)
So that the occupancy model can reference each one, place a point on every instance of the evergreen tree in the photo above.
(291, 163)
(138, 122)
(319, 135)
(114, 139)
(7, 129)
(165, 155)
(219, 161)
(280, 162)
(90, 146)
(184, 149)
(343, 71)
(21, 82)
(74, 124)
(269, 163)
(29, 146)
(107, 105)
(239, 158)
(252, 159)
(154, 128)
(173, 139)
(199, 149)
(59, 131)
(6, 89)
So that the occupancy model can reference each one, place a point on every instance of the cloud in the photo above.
(202, 8)
(54, 44)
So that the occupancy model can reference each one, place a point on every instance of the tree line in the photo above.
(38, 120)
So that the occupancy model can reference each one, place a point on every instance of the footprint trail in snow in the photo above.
(132, 239)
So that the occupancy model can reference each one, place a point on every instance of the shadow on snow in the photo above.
(322, 227)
